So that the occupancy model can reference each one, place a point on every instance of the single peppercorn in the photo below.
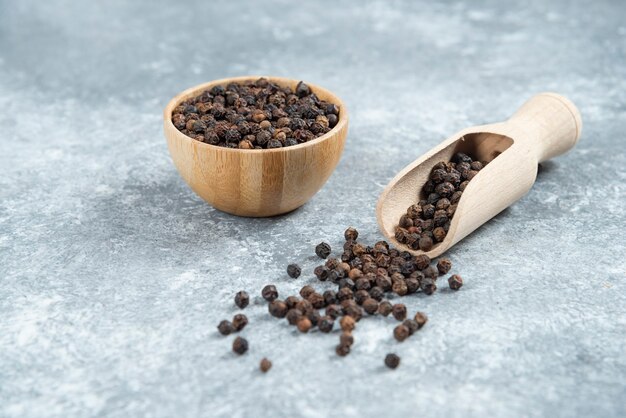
(326, 324)
(225, 327)
(242, 299)
(399, 311)
(269, 293)
(351, 234)
(304, 324)
(334, 311)
(401, 332)
(455, 282)
(428, 286)
(278, 308)
(385, 308)
(293, 270)
(322, 250)
(316, 300)
(291, 301)
(346, 338)
(370, 305)
(265, 365)
(321, 272)
(420, 318)
(239, 322)
(330, 297)
(305, 291)
(392, 360)
(293, 315)
(342, 350)
(444, 265)
(240, 345)
(347, 323)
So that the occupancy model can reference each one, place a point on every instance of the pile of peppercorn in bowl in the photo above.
(256, 146)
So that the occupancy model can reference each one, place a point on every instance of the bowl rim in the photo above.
(195, 90)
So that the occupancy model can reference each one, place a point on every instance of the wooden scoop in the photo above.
(547, 125)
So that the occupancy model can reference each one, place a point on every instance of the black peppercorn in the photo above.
(325, 324)
(385, 308)
(392, 361)
(334, 311)
(225, 327)
(239, 321)
(291, 301)
(401, 332)
(444, 265)
(278, 308)
(322, 250)
(240, 345)
(342, 350)
(399, 311)
(269, 293)
(428, 286)
(293, 270)
(351, 234)
(455, 282)
(321, 272)
(242, 299)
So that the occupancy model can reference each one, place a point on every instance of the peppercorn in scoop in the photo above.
(255, 115)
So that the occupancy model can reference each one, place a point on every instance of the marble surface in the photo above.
(114, 275)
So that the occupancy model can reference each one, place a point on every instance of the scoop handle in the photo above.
(551, 125)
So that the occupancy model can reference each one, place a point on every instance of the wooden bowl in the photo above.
(257, 182)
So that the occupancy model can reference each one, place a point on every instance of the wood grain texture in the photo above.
(256, 183)
(547, 125)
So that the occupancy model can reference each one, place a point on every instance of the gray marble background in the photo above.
(113, 274)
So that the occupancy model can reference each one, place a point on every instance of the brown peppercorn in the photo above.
(421, 319)
(278, 308)
(265, 365)
(351, 234)
(351, 308)
(269, 293)
(304, 305)
(360, 296)
(293, 271)
(428, 286)
(377, 293)
(325, 324)
(399, 311)
(316, 300)
(412, 325)
(225, 327)
(400, 288)
(444, 265)
(291, 301)
(293, 315)
(370, 305)
(334, 311)
(392, 361)
(346, 338)
(401, 332)
(306, 291)
(240, 345)
(304, 324)
(347, 323)
(455, 282)
(439, 234)
(344, 293)
(239, 321)
(342, 350)
(385, 308)
(322, 250)
(242, 299)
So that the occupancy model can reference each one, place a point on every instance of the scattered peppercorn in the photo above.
(401, 332)
(346, 338)
(385, 308)
(278, 308)
(225, 327)
(242, 299)
(326, 324)
(392, 360)
(239, 322)
(444, 265)
(370, 305)
(322, 250)
(304, 324)
(265, 365)
(347, 323)
(351, 234)
(293, 270)
(293, 315)
(399, 311)
(240, 345)
(342, 350)
(426, 223)
(455, 281)
(421, 319)
(411, 325)
(306, 291)
(269, 293)
(255, 115)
